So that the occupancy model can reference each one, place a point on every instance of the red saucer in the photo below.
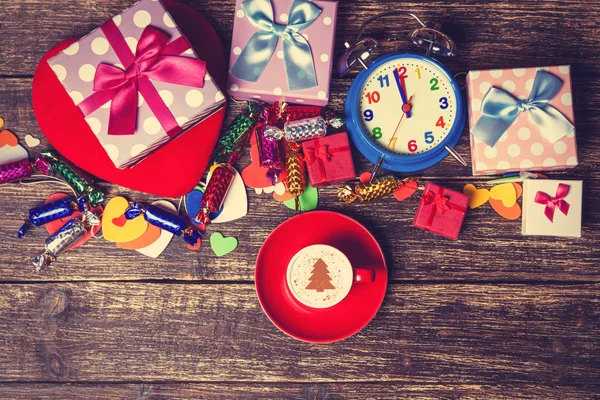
(327, 324)
(171, 171)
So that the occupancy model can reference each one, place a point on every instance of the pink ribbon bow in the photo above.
(440, 202)
(311, 154)
(155, 58)
(558, 201)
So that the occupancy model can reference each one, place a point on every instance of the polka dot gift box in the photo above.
(282, 50)
(137, 82)
(521, 120)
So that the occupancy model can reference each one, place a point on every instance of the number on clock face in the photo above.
(432, 110)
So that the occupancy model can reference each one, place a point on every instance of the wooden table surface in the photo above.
(493, 315)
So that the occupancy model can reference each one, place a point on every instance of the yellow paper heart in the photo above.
(506, 192)
(115, 228)
(478, 197)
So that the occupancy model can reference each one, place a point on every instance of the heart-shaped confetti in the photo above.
(506, 193)
(10, 149)
(131, 229)
(53, 226)
(510, 213)
(308, 200)
(155, 249)
(406, 190)
(31, 141)
(478, 197)
(222, 245)
(519, 189)
(150, 236)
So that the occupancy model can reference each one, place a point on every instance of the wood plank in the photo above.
(424, 334)
(490, 249)
(305, 391)
(488, 35)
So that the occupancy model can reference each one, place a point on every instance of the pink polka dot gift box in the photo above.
(137, 82)
(282, 50)
(521, 119)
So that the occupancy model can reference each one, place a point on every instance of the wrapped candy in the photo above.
(241, 125)
(269, 154)
(215, 192)
(278, 114)
(164, 219)
(295, 173)
(15, 171)
(303, 129)
(371, 191)
(48, 212)
(62, 239)
(22, 169)
(80, 185)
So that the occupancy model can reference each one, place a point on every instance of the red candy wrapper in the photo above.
(441, 211)
(278, 113)
(329, 160)
(215, 193)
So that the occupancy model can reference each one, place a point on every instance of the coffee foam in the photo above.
(320, 276)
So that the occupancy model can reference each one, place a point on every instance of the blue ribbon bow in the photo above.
(500, 110)
(297, 56)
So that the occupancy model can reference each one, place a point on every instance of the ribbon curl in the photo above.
(500, 110)
(155, 58)
(558, 201)
(440, 202)
(297, 56)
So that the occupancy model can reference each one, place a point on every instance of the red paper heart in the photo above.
(171, 171)
(120, 221)
(53, 226)
(405, 191)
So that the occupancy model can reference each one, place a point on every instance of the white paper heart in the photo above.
(235, 205)
(31, 141)
(155, 249)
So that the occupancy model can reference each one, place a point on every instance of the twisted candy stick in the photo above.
(295, 174)
(371, 191)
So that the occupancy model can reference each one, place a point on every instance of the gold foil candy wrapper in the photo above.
(369, 191)
(296, 174)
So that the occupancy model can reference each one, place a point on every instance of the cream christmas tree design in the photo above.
(320, 279)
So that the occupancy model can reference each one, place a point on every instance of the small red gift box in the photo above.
(441, 211)
(328, 160)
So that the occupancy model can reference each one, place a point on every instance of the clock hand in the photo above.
(405, 104)
(399, 122)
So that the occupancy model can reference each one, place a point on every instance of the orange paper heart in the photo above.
(519, 189)
(7, 138)
(405, 191)
(510, 213)
(150, 236)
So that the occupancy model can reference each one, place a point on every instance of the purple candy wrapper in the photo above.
(269, 150)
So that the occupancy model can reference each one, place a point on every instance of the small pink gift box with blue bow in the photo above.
(282, 50)
(521, 119)
(552, 207)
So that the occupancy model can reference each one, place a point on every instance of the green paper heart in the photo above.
(222, 245)
(308, 200)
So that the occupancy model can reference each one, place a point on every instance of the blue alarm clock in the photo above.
(404, 111)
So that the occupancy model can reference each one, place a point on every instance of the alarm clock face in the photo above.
(408, 105)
